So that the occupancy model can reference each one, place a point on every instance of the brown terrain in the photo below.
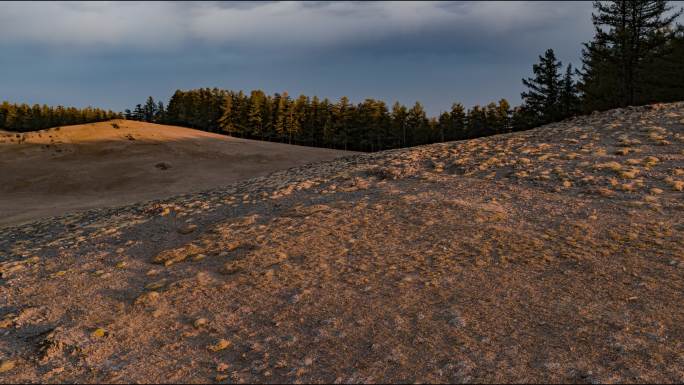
(59, 170)
(551, 255)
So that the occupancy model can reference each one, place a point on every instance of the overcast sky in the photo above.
(113, 55)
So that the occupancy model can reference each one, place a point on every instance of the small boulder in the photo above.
(187, 229)
(6, 366)
(219, 345)
(162, 166)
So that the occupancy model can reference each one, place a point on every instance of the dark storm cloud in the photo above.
(115, 54)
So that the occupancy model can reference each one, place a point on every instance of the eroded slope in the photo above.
(555, 254)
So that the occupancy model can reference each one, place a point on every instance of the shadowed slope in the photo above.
(55, 171)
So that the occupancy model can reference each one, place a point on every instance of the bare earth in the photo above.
(552, 255)
(52, 172)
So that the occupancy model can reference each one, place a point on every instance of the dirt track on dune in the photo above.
(55, 171)
(552, 255)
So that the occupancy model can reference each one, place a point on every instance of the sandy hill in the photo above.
(552, 255)
(54, 171)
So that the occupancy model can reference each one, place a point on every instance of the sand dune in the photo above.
(554, 255)
(54, 171)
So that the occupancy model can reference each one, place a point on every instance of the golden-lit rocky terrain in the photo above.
(551, 255)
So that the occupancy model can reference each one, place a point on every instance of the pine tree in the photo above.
(159, 115)
(226, 120)
(342, 120)
(150, 109)
(477, 122)
(398, 119)
(282, 110)
(138, 113)
(568, 98)
(444, 126)
(255, 119)
(666, 77)
(544, 89)
(458, 122)
(629, 36)
(497, 117)
(417, 126)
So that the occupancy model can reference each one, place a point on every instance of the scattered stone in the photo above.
(231, 268)
(187, 229)
(6, 366)
(162, 166)
(219, 345)
(156, 285)
(200, 322)
(147, 298)
(7, 321)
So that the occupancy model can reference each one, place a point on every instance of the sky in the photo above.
(113, 55)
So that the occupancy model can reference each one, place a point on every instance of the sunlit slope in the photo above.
(54, 171)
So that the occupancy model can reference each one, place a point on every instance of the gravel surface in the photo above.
(551, 255)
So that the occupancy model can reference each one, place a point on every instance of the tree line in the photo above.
(370, 125)
(636, 57)
(24, 118)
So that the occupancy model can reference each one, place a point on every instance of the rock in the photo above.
(156, 285)
(231, 268)
(6, 322)
(219, 345)
(162, 166)
(147, 298)
(200, 322)
(52, 346)
(187, 229)
(6, 366)
(58, 274)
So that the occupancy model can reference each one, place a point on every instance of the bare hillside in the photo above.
(59, 170)
(552, 255)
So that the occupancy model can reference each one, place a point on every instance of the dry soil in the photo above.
(552, 255)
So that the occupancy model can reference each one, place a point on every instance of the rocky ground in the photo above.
(552, 255)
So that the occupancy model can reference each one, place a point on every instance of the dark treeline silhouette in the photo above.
(23, 118)
(149, 112)
(367, 126)
(635, 58)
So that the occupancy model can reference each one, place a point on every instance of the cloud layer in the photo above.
(159, 25)
(113, 54)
